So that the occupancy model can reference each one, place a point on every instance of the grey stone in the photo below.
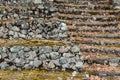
(35, 48)
(13, 56)
(37, 1)
(66, 66)
(63, 35)
(114, 62)
(47, 49)
(4, 65)
(1, 34)
(54, 55)
(24, 32)
(39, 36)
(63, 26)
(55, 48)
(11, 32)
(51, 65)
(16, 35)
(4, 55)
(79, 65)
(37, 62)
(56, 62)
(32, 55)
(63, 60)
(31, 63)
(15, 28)
(63, 49)
(74, 73)
(4, 49)
(75, 49)
(15, 49)
(26, 49)
(59, 78)
(21, 35)
(21, 54)
(68, 55)
(27, 66)
(24, 26)
(42, 57)
(19, 62)
(12, 67)
(0, 56)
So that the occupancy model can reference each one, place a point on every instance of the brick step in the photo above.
(95, 41)
(86, 12)
(92, 23)
(100, 49)
(102, 70)
(94, 35)
(82, 6)
(89, 17)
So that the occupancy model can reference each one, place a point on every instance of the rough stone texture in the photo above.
(21, 57)
(38, 29)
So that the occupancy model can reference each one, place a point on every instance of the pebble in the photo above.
(37, 62)
(54, 55)
(74, 73)
(75, 49)
(63, 60)
(51, 65)
(63, 49)
(15, 49)
(79, 65)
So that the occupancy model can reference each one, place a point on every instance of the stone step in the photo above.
(102, 70)
(89, 17)
(84, 6)
(94, 35)
(96, 41)
(91, 12)
(100, 49)
(101, 58)
(92, 23)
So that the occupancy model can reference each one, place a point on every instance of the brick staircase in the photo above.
(95, 27)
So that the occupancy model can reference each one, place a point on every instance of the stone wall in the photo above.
(42, 57)
(55, 30)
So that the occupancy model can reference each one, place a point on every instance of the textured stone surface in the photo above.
(23, 57)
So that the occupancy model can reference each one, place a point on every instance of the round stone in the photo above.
(63, 60)
(15, 49)
(55, 48)
(26, 49)
(51, 65)
(54, 55)
(37, 62)
(63, 49)
(68, 55)
(63, 26)
(11, 32)
(75, 49)
(79, 65)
